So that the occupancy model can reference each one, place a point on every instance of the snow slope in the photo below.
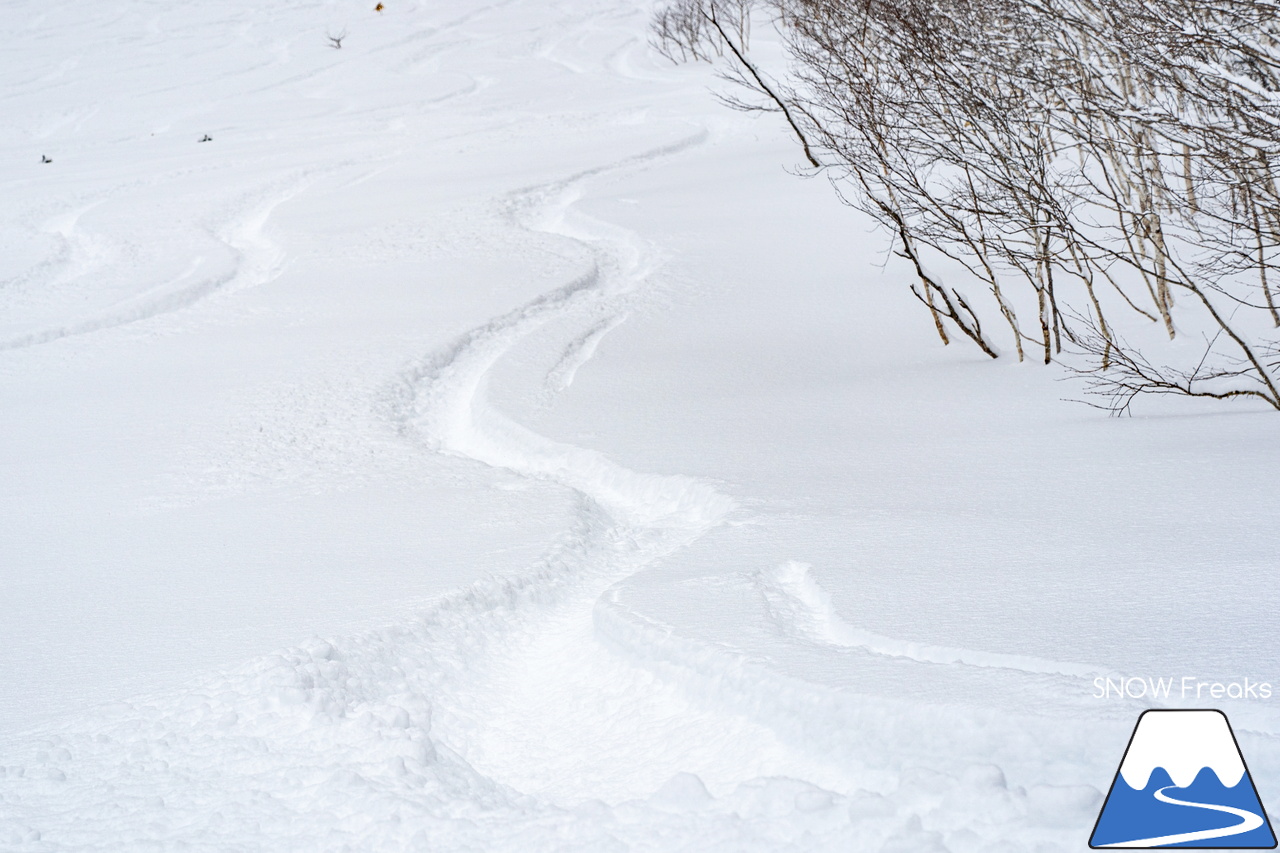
(633, 501)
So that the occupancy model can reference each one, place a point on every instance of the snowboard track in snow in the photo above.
(509, 713)
(629, 521)
(543, 710)
(257, 260)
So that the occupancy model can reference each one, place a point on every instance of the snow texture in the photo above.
(481, 441)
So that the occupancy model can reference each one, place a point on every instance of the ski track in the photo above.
(534, 712)
(529, 713)
(73, 255)
(803, 609)
(356, 733)
(259, 260)
(579, 646)
(629, 519)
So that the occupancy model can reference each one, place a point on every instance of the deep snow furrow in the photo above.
(531, 712)
(518, 702)
(577, 644)
(446, 407)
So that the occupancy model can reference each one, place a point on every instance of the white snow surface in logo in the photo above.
(1183, 743)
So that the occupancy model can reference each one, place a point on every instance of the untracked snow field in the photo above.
(483, 441)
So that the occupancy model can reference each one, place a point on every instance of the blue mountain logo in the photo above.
(1183, 783)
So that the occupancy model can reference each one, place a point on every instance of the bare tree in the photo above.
(1080, 161)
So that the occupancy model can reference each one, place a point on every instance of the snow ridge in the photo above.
(801, 606)
(579, 351)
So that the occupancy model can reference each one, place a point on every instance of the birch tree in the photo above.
(1075, 173)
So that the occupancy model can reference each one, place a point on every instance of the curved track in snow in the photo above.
(257, 260)
(553, 707)
(557, 712)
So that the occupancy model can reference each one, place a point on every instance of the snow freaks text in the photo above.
(1185, 687)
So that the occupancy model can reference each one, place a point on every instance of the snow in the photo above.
(483, 442)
